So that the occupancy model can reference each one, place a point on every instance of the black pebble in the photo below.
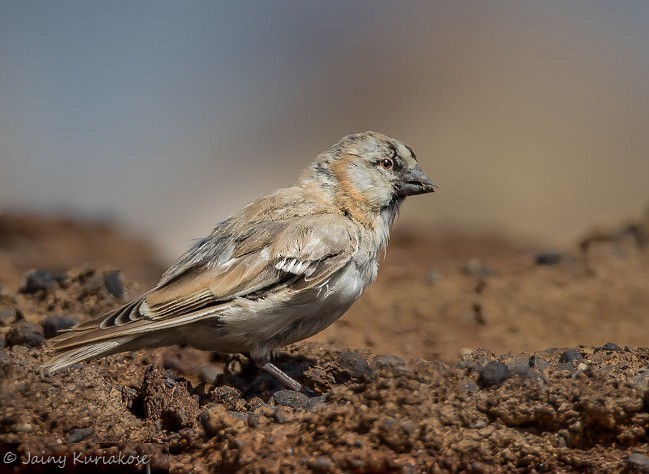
(494, 373)
(290, 398)
(610, 346)
(25, 333)
(355, 363)
(53, 324)
(570, 355)
(77, 434)
(548, 258)
(113, 283)
(38, 280)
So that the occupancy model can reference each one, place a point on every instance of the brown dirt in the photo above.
(401, 384)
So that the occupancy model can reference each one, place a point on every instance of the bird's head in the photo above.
(369, 172)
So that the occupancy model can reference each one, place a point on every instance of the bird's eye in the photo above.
(387, 163)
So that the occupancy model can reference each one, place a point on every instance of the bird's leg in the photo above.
(284, 379)
(264, 364)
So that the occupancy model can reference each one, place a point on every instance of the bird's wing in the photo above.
(304, 254)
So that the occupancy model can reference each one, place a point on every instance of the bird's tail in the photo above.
(85, 351)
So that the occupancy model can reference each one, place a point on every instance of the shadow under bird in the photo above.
(281, 269)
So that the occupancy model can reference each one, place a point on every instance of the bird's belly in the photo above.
(277, 320)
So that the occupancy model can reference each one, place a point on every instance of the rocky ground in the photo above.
(442, 366)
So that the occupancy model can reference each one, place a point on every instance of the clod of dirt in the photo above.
(230, 397)
(25, 333)
(53, 324)
(492, 374)
(166, 400)
(355, 364)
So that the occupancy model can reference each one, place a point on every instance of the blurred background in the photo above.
(166, 116)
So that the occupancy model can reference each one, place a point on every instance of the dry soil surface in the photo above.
(442, 366)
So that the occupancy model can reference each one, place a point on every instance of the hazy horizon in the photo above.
(166, 116)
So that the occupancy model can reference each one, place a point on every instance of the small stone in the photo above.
(315, 402)
(538, 363)
(582, 367)
(53, 324)
(7, 316)
(254, 420)
(641, 379)
(477, 269)
(468, 386)
(638, 462)
(610, 346)
(38, 280)
(281, 415)
(321, 464)
(25, 333)
(492, 374)
(393, 433)
(22, 428)
(5, 364)
(114, 284)
(548, 258)
(77, 434)
(7, 423)
(433, 276)
(290, 398)
(570, 355)
(355, 363)
(387, 361)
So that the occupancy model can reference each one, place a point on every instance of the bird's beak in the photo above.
(414, 181)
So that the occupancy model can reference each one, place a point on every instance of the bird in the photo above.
(278, 271)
